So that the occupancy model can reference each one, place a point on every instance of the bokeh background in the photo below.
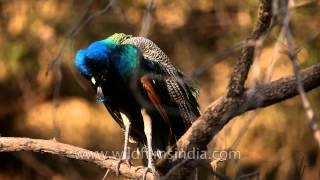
(43, 96)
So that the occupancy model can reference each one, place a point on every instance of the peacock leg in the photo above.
(125, 156)
(148, 132)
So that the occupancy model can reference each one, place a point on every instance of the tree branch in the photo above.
(296, 69)
(219, 113)
(242, 66)
(12, 144)
(222, 107)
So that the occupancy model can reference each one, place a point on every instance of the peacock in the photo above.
(153, 101)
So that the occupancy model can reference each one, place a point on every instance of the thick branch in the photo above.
(242, 66)
(224, 109)
(11, 144)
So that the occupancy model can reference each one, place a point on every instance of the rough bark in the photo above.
(12, 144)
(219, 113)
(242, 66)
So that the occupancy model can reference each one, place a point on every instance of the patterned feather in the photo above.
(180, 89)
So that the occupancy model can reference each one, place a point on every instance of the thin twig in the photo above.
(217, 58)
(296, 69)
(173, 169)
(146, 22)
(57, 61)
(249, 175)
(302, 4)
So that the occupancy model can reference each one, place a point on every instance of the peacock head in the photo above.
(93, 63)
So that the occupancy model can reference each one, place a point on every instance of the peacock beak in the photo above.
(100, 96)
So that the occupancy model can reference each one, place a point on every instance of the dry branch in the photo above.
(242, 66)
(292, 53)
(12, 144)
(219, 113)
(224, 106)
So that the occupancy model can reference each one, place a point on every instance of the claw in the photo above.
(148, 170)
(126, 161)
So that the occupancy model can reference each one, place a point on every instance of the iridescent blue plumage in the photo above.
(100, 50)
(81, 63)
(104, 53)
(97, 54)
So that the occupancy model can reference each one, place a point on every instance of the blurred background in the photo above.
(43, 96)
